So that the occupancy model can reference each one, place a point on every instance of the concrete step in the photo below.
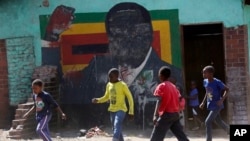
(27, 105)
(21, 134)
(30, 100)
(21, 111)
(20, 116)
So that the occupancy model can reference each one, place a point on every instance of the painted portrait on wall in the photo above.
(129, 37)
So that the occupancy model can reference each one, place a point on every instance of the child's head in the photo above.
(193, 84)
(113, 75)
(164, 73)
(208, 72)
(37, 86)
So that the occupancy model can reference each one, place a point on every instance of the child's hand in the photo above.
(131, 117)
(94, 100)
(220, 102)
(155, 118)
(64, 116)
(201, 106)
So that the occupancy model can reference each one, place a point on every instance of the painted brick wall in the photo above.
(4, 99)
(21, 64)
(236, 72)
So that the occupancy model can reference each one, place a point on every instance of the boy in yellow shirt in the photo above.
(116, 92)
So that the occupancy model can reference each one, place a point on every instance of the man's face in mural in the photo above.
(129, 37)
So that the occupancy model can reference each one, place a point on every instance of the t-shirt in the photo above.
(169, 97)
(214, 92)
(116, 94)
(194, 102)
(43, 103)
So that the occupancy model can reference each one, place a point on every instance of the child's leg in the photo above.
(221, 123)
(117, 120)
(42, 128)
(209, 120)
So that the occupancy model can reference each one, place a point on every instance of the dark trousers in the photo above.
(164, 123)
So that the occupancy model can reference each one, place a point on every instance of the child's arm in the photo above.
(102, 99)
(203, 102)
(130, 100)
(30, 111)
(224, 96)
(156, 115)
(61, 112)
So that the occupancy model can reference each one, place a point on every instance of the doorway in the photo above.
(203, 45)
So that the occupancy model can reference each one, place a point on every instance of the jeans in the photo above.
(42, 128)
(116, 121)
(164, 123)
(214, 116)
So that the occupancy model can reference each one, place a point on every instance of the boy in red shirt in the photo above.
(166, 115)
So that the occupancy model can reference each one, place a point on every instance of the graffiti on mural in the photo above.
(129, 37)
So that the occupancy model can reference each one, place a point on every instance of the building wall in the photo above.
(236, 59)
(21, 63)
(22, 19)
(247, 21)
(4, 95)
(23, 16)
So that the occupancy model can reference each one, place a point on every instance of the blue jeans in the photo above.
(214, 116)
(116, 121)
(165, 122)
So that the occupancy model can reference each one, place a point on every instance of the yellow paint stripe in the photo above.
(164, 27)
(75, 67)
(85, 28)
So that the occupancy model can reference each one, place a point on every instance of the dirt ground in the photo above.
(129, 135)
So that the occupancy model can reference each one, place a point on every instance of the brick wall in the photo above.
(21, 64)
(236, 49)
(4, 100)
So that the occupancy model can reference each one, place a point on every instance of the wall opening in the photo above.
(203, 45)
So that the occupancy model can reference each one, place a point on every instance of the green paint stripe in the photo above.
(171, 15)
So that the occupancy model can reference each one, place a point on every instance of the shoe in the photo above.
(195, 128)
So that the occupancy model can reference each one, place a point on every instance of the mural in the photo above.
(129, 37)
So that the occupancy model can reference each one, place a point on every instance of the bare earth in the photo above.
(129, 135)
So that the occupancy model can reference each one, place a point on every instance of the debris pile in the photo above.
(95, 131)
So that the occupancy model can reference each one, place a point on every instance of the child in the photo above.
(116, 92)
(194, 104)
(42, 104)
(214, 87)
(166, 115)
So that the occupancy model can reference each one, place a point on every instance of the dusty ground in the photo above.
(129, 135)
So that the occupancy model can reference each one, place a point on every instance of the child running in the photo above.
(116, 92)
(42, 105)
(214, 98)
(166, 115)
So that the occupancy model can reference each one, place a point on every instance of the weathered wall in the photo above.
(23, 16)
(247, 21)
(21, 62)
(4, 97)
(236, 56)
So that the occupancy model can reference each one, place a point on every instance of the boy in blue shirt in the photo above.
(214, 88)
(194, 105)
(42, 104)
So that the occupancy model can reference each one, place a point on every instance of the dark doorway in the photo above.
(203, 45)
